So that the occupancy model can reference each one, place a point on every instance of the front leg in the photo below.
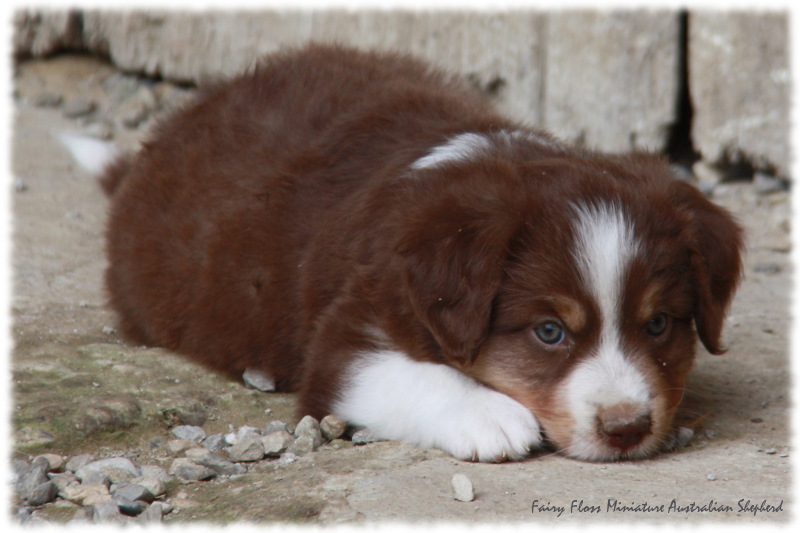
(434, 406)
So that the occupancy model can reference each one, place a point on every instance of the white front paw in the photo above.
(492, 427)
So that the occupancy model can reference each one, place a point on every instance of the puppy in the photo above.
(367, 231)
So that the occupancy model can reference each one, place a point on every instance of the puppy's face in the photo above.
(592, 284)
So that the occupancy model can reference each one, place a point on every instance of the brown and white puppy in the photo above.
(367, 231)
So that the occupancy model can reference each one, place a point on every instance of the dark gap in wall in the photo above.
(680, 149)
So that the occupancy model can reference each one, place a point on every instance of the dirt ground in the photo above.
(67, 363)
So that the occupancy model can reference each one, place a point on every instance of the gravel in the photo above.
(117, 490)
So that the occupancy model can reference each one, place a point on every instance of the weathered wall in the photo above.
(610, 79)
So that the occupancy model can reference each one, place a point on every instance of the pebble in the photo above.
(276, 443)
(364, 436)
(275, 425)
(462, 488)
(154, 485)
(765, 184)
(177, 447)
(28, 482)
(301, 446)
(332, 427)
(130, 507)
(110, 467)
(309, 427)
(43, 493)
(133, 492)
(20, 185)
(256, 379)
(117, 490)
(221, 466)
(247, 449)
(712, 477)
(192, 433)
(55, 463)
(107, 511)
(214, 443)
(187, 470)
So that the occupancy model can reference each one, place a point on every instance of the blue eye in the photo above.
(550, 332)
(657, 325)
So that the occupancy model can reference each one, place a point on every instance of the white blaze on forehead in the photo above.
(462, 147)
(604, 247)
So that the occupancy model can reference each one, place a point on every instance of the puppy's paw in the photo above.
(492, 427)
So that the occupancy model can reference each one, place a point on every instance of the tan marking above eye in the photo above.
(650, 301)
(571, 312)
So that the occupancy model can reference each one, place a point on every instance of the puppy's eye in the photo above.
(657, 325)
(550, 332)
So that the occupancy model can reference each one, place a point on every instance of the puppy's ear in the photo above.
(455, 256)
(715, 247)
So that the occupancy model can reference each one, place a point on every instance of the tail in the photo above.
(100, 158)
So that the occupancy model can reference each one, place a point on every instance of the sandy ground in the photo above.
(67, 362)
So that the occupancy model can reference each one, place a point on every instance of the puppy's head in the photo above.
(578, 286)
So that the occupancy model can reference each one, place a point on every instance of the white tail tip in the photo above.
(93, 155)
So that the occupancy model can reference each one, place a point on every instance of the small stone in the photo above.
(309, 426)
(276, 443)
(78, 107)
(765, 184)
(80, 493)
(275, 425)
(247, 449)
(214, 443)
(286, 458)
(130, 507)
(771, 451)
(154, 485)
(302, 445)
(192, 433)
(177, 447)
(187, 470)
(108, 330)
(246, 431)
(364, 436)
(106, 511)
(133, 492)
(95, 478)
(257, 379)
(462, 488)
(55, 463)
(29, 481)
(196, 453)
(43, 493)
(221, 466)
(153, 514)
(712, 477)
(20, 185)
(154, 472)
(332, 427)
(110, 467)
(62, 480)
(192, 417)
(708, 175)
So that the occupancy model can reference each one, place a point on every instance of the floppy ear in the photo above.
(715, 247)
(454, 258)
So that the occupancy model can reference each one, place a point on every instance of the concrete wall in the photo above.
(609, 79)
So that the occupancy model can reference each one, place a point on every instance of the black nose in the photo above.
(623, 426)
